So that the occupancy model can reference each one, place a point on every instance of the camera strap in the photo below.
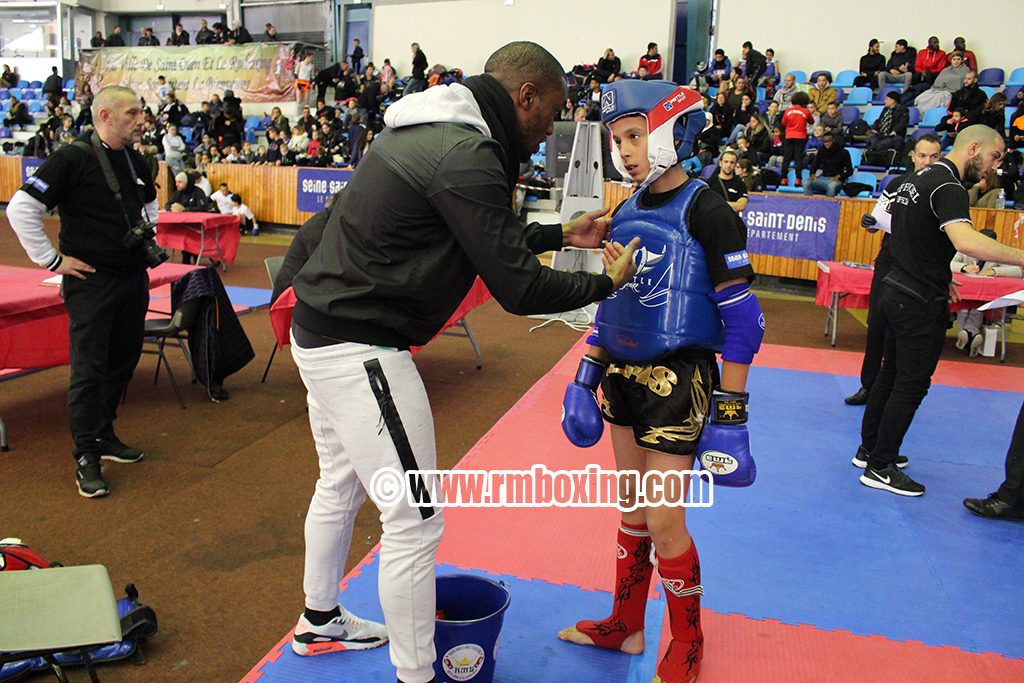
(108, 171)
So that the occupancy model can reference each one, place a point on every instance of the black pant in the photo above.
(1012, 490)
(875, 346)
(914, 335)
(107, 320)
(793, 152)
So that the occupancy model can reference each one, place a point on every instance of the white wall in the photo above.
(836, 38)
(463, 33)
(149, 6)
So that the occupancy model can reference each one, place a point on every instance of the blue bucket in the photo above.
(471, 610)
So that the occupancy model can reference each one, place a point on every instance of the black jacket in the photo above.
(53, 85)
(900, 121)
(115, 40)
(427, 210)
(971, 99)
(755, 67)
(179, 39)
(871, 64)
(896, 59)
(834, 161)
(302, 247)
(192, 198)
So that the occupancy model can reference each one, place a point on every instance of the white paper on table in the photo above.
(55, 280)
(1013, 299)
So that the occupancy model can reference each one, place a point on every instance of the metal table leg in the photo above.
(4, 446)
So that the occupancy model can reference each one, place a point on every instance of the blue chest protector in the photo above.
(666, 306)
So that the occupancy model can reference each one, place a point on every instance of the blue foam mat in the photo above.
(808, 544)
(528, 648)
(250, 297)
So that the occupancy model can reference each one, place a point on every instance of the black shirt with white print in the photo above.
(731, 190)
(924, 204)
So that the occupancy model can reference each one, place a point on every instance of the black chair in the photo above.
(159, 330)
(273, 264)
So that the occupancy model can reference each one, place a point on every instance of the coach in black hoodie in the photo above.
(427, 210)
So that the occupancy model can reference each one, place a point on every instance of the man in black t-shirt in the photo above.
(727, 185)
(105, 286)
(931, 221)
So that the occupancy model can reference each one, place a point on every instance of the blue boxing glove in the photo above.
(724, 445)
(581, 413)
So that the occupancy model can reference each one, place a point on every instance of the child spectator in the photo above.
(248, 220)
(245, 156)
(815, 142)
(750, 175)
(298, 145)
(796, 119)
(260, 159)
(772, 115)
(776, 152)
(952, 125)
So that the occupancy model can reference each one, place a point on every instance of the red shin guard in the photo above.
(633, 571)
(681, 578)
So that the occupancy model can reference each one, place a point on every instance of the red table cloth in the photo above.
(212, 235)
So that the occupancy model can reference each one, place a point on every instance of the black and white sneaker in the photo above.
(892, 480)
(860, 459)
(114, 449)
(89, 479)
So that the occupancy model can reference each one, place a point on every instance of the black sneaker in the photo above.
(992, 508)
(860, 459)
(857, 399)
(89, 479)
(892, 480)
(114, 449)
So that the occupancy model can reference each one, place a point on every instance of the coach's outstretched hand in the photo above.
(588, 231)
(618, 261)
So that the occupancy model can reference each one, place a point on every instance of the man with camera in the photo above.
(107, 202)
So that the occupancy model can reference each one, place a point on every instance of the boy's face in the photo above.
(630, 134)
(773, 107)
(822, 81)
(819, 131)
(957, 116)
(833, 108)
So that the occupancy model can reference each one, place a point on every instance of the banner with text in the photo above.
(255, 72)
(793, 227)
(316, 185)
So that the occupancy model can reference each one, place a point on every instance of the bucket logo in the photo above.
(463, 662)
(608, 101)
(718, 462)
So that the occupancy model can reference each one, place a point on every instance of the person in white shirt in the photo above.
(174, 150)
(222, 198)
(239, 209)
(203, 183)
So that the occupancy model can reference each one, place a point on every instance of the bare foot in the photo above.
(632, 645)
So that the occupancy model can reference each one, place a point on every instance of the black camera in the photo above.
(143, 236)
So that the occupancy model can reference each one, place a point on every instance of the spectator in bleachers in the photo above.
(993, 113)
(204, 36)
(115, 39)
(298, 144)
(815, 141)
(174, 150)
(946, 82)
(738, 91)
(222, 199)
(329, 76)
(971, 98)
(899, 68)
(304, 78)
(233, 104)
(567, 110)
(65, 135)
(279, 120)
(969, 321)
(246, 155)
(755, 63)
(870, 66)
(784, 94)
(726, 184)
(97, 40)
(741, 117)
(220, 33)
(307, 121)
(772, 115)
(750, 175)
(53, 122)
(239, 35)
(362, 145)
(719, 68)
(227, 130)
(580, 114)
(162, 88)
(822, 93)
(795, 120)
(374, 93)
(84, 100)
(53, 88)
(607, 67)
(270, 34)
(758, 139)
(832, 122)
(418, 80)
(260, 158)
(8, 79)
(204, 145)
(17, 114)
(951, 125)
(173, 110)
(771, 65)
(203, 183)
(815, 118)
(885, 135)
(149, 155)
(829, 169)
(721, 122)
(148, 39)
(652, 62)
(186, 197)
(984, 194)
(356, 56)
(743, 151)
(388, 74)
(960, 45)
(777, 150)
(180, 36)
(930, 62)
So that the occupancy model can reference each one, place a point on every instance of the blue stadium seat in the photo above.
(859, 96)
(993, 77)
(14, 92)
(29, 95)
(24, 84)
(708, 171)
(801, 76)
(884, 183)
(792, 188)
(186, 134)
(867, 179)
(252, 122)
(932, 117)
(762, 106)
(69, 84)
(840, 95)
(844, 79)
(856, 155)
(1010, 92)
(4, 94)
(914, 116)
(760, 92)
(872, 114)
(988, 90)
(1016, 77)
(815, 74)
(35, 107)
(1009, 116)
(36, 85)
(849, 114)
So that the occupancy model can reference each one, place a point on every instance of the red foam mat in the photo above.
(741, 650)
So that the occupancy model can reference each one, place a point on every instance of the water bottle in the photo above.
(1001, 199)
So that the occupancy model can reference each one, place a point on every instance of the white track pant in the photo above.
(368, 410)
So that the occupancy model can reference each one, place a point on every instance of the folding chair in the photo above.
(159, 330)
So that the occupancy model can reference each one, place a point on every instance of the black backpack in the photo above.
(858, 127)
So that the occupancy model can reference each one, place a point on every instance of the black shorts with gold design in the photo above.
(665, 401)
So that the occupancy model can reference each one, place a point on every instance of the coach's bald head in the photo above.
(977, 150)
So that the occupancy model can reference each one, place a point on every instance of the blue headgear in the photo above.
(673, 114)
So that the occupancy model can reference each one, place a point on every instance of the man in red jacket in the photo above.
(929, 62)
(652, 61)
